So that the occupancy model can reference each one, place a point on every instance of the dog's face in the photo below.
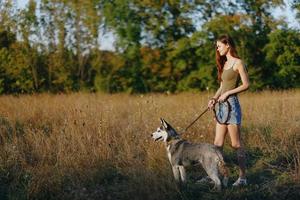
(160, 134)
(164, 133)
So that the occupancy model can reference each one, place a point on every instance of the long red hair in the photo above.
(225, 39)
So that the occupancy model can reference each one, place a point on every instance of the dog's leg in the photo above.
(225, 181)
(176, 173)
(182, 174)
(217, 181)
(212, 172)
(224, 172)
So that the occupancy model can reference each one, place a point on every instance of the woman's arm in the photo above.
(218, 93)
(214, 99)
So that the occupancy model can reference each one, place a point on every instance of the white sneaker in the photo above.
(240, 182)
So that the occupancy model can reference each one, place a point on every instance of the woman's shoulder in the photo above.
(238, 63)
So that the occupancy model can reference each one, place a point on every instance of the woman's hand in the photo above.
(211, 103)
(223, 97)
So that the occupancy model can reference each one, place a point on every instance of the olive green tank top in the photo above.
(230, 79)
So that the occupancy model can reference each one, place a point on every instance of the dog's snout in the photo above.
(151, 134)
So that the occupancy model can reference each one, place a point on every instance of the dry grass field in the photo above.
(98, 146)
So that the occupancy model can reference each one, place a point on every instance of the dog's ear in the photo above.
(164, 123)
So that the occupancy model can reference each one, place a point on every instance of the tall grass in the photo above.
(98, 146)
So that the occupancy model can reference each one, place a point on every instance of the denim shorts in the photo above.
(235, 115)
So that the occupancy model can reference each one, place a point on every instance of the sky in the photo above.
(286, 12)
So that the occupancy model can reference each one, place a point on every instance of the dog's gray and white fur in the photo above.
(182, 153)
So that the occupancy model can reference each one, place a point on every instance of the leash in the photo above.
(191, 124)
(229, 109)
(215, 113)
(228, 112)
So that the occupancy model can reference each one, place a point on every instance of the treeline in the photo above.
(55, 45)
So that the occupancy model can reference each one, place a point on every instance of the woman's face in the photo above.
(222, 48)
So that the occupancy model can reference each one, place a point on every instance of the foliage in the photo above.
(54, 45)
(283, 54)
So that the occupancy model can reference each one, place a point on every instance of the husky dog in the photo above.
(182, 153)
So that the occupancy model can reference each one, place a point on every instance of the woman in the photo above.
(230, 70)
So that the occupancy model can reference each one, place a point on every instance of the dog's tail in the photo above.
(223, 169)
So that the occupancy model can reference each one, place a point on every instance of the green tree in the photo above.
(28, 28)
(283, 59)
(160, 45)
(16, 65)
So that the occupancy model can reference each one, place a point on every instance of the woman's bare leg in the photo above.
(221, 131)
(236, 143)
